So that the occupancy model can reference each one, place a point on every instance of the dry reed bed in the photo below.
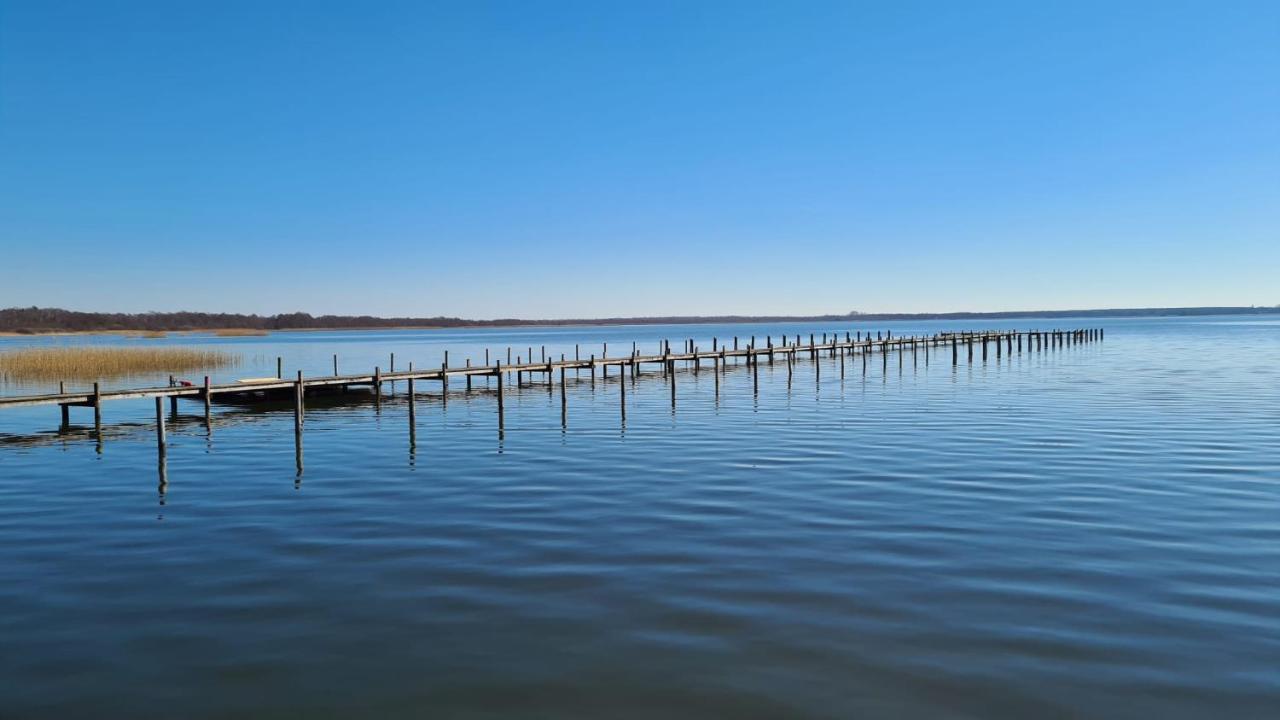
(239, 332)
(93, 363)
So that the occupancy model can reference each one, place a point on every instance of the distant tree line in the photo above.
(36, 319)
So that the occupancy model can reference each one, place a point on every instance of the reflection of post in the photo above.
(162, 469)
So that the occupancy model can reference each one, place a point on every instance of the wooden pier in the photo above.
(744, 352)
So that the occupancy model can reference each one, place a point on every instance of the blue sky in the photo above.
(564, 159)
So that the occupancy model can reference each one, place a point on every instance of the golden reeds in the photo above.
(86, 362)
(238, 332)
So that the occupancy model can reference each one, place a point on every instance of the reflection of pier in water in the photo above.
(266, 399)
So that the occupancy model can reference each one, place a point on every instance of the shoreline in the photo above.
(226, 332)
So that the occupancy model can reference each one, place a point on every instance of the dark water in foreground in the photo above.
(1092, 532)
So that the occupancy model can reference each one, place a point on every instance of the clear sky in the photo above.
(566, 159)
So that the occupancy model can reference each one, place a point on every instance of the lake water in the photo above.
(1086, 532)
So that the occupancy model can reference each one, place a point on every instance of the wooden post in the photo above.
(673, 386)
(160, 423)
(564, 400)
(413, 411)
(301, 404)
(208, 404)
(444, 380)
(393, 362)
(377, 388)
(715, 367)
(622, 396)
(279, 368)
(335, 364)
(501, 416)
(955, 351)
(97, 412)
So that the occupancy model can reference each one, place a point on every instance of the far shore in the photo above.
(242, 331)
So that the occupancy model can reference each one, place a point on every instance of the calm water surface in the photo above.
(1090, 532)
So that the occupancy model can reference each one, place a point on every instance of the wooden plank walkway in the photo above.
(789, 349)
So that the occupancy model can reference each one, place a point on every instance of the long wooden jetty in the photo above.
(789, 349)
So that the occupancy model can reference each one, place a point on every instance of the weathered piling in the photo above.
(299, 410)
(501, 413)
(413, 410)
(97, 411)
(207, 396)
(160, 422)
(673, 385)
(65, 408)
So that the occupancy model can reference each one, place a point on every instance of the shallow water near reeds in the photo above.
(1092, 531)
